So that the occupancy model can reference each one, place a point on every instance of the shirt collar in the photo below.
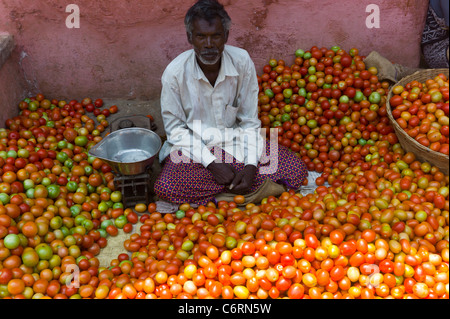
(226, 68)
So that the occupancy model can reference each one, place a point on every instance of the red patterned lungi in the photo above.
(189, 182)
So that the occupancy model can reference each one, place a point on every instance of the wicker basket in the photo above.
(409, 144)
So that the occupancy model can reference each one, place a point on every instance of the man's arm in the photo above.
(247, 117)
(250, 140)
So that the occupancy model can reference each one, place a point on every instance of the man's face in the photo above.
(208, 40)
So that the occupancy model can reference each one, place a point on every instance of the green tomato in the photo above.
(230, 242)
(4, 198)
(62, 157)
(23, 153)
(28, 183)
(11, 153)
(79, 220)
(87, 224)
(46, 181)
(421, 216)
(53, 191)
(79, 230)
(312, 124)
(118, 205)
(102, 232)
(359, 96)
(72, 186)
(33, 106)
(311, 70)
(88, 170)
(276, 124)
(344, 99)
(310, 105)
(335, 48)
(30, 258)
(299, 53)
(273, 63)
(116, 196)
(91, 159)
(180, 214)
(44, 251)
(56, 222)
(269, 93)
(375, 98)
(301, 120)
(444, 191)
(65, 231)
(187, 245)
(120, 221)
(81, 140)
(11, 241)
(106, 223)
(54, 261)
(312, 78)
(345, 120)
(91, 189)
(374, 107)
(103, 206)
(68, 163)
(285, 117)
(107, 190)
(62, 144)
(75, 210)
(401, 165)
(287, 108)
(30, 193)
(287, 93)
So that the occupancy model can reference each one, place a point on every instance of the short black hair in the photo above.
(207, 10)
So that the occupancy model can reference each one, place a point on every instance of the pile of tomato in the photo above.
(421, 109)
(57, 203)
(378, 229)
(328, 108)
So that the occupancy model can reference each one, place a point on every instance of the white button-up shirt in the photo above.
(198, 116)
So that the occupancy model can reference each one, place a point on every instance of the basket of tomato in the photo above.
(418, 109)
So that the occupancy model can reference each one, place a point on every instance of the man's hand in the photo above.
(223, 173)
(243, 180)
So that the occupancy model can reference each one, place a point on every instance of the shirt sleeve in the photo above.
(250, 139)
(178, 133)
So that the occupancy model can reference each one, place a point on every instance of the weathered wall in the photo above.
(122, 47)
(12, 85)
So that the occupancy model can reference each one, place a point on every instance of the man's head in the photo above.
(207, 26)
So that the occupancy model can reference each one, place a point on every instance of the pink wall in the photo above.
(12, 84)
(122, 47)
